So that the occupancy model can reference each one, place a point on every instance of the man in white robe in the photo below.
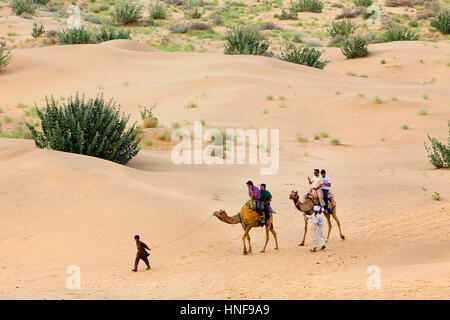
(317, 221)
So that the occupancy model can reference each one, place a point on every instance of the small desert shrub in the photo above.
(405, 3)
(288, 14)
(413, 23)
(305, 56)
(93, 128)
(41, 2)
(158, 10)
(74, 36)
(424, 14)
(335, 142)
(179, 28)
(439, 153)
(436, 196)
(308, 6)
(199, 26)
(192, 9)
(216, 18)
(245, 40)
(347, 13)
(343, 28)
(355, 47)
(164, 136)
(38, 30)
(268, 26)
(127, 12)
(22, 6)
(399, 33)
(5, 58)
(148, 119)
(107, 33)
(363, 3)
(441, 21)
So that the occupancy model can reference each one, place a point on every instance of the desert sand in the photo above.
(60, 209)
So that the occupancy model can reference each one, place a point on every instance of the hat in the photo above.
(317, 208)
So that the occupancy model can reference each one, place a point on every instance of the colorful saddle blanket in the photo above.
(248, 214)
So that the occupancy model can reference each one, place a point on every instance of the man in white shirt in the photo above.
(326, 185)
(316, 186)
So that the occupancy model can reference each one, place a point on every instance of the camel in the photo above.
(249, 220)
(308, 208)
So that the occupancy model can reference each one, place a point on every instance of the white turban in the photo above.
(317, 208)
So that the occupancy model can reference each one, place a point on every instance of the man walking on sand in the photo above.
(316, 186)
(317, 221)
(141, 254)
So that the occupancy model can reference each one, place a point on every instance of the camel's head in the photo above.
(294, 195)
(221, 214)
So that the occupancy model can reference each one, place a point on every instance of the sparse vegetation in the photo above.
(439, 153)
(127, 12)
(148, 119)
(245, 40)
(5, 58)
(107, 33)
(19, 7)
(399, 33)
(305, 56)
(441, 21)
(93, 127)
(75, 36)
(158, 10)
(38, 30)
(343, 28)
(355, 47)
(308, 6)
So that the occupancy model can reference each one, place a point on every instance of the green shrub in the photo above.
(305, 56)
(158, 10)
(38, 30)
(343, 28)
(399, 33)
(5, 58)
(192, 8)
(355, 47)
(216, 18)
(441, 21)
(439, 153)
(288, 14)
(413, 23)
(127, 12)
(107, 33)
(245, 40)
(22, 6)
(41, 2)
(308, 6)
(363, 3)
(74, 36)
(93, 128)
(148, 119)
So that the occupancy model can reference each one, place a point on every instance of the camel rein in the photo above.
(183, 235)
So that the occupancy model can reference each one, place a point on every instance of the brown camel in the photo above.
(222, 216)
(308, 208)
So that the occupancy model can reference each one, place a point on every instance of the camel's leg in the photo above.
(267, 238)
(246, 230)
(338, 224)
(249, 244)
(304, 235)
(274, 235)
(327, 215)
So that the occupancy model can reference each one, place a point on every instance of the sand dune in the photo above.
(60, 209)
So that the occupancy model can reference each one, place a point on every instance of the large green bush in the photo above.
(107, 33)
(75, 36)
(439, 153)
(399, 33)
(5, 58)
(355, 47)
(93, 128)
(343, 28)
(245, 40)
(363, 3)
(308, 6)
(22, 6)
(127, 12)
(305, 56)
(441, 21)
